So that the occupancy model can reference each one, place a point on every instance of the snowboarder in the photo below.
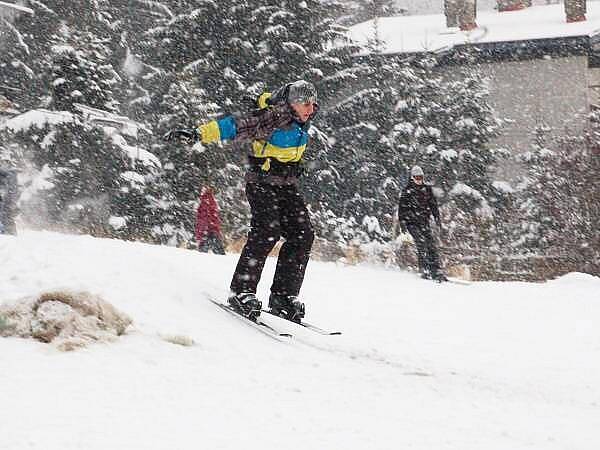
(8, 200)
(279, 135)
(208, 223)
(417, 205)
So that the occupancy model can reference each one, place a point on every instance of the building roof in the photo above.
(417, 34)
(12, 6)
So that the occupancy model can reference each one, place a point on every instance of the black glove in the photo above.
(187, 135)
(403, 227)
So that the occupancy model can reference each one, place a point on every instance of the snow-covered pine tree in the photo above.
(530, 234)
(361, 164)
(227, 60)
(83, 181)
(295, 41)
(78, 77)
(73, 190)
(128, 20)
(302, 40)
(558, 202)
(80, 175)
(446, 126)
(25, 41)
(467, 160)
(205, 40)
(406, 113)
(73, 54)
(200, 61)
(185, 170)
(363, 10)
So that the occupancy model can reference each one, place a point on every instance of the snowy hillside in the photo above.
(489, 366)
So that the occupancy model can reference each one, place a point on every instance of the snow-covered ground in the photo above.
(410, 34)
(420, 365)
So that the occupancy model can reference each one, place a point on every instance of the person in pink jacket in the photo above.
(208, 223)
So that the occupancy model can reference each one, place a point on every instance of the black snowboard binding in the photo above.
(287, 307)
(439, 277)
(246, 304)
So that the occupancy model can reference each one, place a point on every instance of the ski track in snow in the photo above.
(419, 365)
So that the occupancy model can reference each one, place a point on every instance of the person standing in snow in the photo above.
(417, 205)
(8, 201)
(278, 132)
(208, 223)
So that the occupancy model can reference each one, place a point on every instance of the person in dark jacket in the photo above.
(8, 201)
(208, 223)
(278, 133)
(417, 205)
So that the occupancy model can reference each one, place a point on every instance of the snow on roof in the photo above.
(102, 117)
(16, 7)
(37, 117)
(135, 152)
(111, 124)
(413, 34)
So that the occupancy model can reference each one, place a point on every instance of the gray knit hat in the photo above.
(301, 92)
(416, 172)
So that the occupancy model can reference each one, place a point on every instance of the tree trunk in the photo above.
(512, 5)
(461, 13)
(451, 10)
(575, 10)
(466, 20)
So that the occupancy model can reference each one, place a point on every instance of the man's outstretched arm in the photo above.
(257, 125)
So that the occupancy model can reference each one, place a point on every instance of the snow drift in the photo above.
(68, 320)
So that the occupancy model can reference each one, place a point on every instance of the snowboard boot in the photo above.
(246, 304)
(439, 277)
(286, 306)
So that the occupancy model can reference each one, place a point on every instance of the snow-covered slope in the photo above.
(420, 365)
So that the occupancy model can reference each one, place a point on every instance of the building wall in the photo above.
(594, 87)
(526, 94)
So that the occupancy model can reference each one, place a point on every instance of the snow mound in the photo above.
(577, 278)
(68, 320)
(178, 339)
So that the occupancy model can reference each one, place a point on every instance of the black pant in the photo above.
(427, 254)
(212, 242)
(277, 211)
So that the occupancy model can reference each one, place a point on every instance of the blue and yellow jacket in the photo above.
(278, 138)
